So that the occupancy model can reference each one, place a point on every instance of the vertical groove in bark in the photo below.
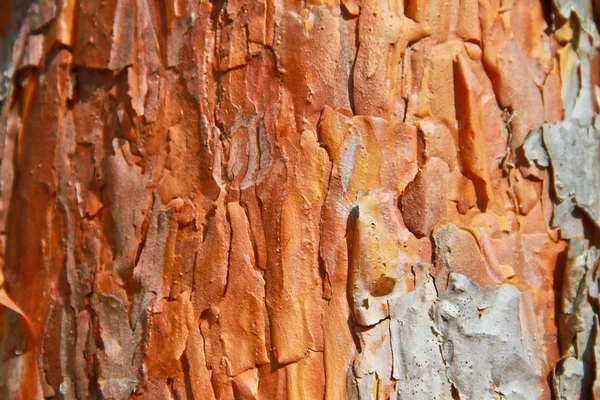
(272, 199)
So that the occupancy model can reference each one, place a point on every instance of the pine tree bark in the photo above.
(274, 199)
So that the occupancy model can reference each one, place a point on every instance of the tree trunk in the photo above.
(278, 199)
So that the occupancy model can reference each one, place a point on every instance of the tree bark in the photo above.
(273, 199)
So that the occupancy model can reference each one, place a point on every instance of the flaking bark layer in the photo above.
(268, 199)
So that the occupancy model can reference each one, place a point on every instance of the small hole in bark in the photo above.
(383, 286)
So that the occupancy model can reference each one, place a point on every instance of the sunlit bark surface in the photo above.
(269, 199)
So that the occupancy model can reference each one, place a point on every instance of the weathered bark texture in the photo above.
(391, 199)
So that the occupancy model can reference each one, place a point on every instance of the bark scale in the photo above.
(275, 199)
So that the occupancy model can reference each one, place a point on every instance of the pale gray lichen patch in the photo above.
(573, 147)
(418, 365)
(535, 153)
(375, 359)
(574, 152)
(568, 379)
(469, 340)
(482, 341)
(577, 321)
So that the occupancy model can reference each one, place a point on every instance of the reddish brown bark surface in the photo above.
(279, 199)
